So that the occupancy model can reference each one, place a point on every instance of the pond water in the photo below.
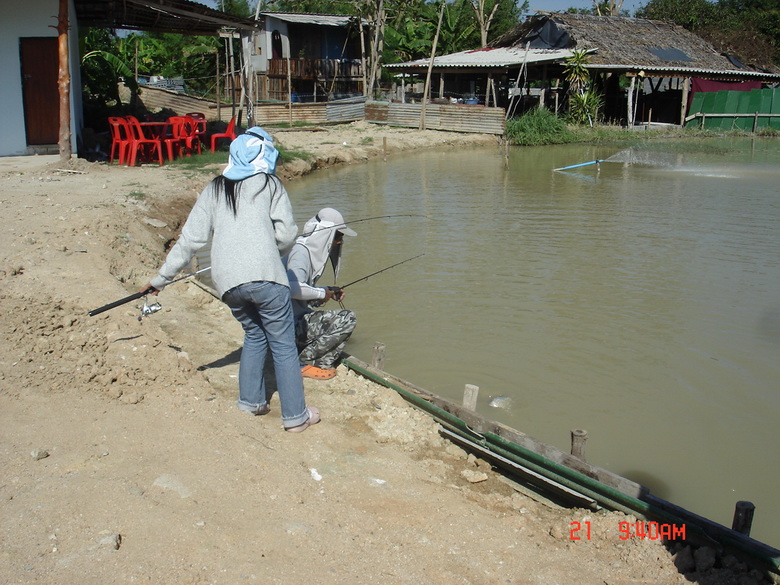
(637, 298)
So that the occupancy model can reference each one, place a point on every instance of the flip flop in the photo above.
(318, 373)
(314, 418)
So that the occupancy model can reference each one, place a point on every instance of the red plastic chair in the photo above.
(188, 135)
(229, 133)
(200, 121)
(120, 139)
(172, 141)
(147, 147)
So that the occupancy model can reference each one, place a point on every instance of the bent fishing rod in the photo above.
(338, 289)
(138, 295)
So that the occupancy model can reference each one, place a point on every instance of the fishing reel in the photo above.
(338, 296)
(148, 309)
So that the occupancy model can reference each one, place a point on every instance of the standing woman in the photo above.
(247, 214)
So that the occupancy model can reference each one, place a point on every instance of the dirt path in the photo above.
(125, 460)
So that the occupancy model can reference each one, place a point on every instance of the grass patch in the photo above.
(137, 195)
(539, 127)
(536, 127)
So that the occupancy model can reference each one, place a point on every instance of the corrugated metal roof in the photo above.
(652, 69)
(319, 19)
(488, 58)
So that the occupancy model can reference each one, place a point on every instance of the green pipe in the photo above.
(606, 496)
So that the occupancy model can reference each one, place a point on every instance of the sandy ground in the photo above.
(125, 460)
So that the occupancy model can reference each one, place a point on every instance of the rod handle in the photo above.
(127, 299)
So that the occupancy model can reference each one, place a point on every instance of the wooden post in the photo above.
(470, 394)
(578, 438)
(430, 69)
(384, 147)
(743, 517)
(630, 105)
(755, 121)
(63, 83)
(219, 97)
(289, 90)
(378, 359)
(684, 104)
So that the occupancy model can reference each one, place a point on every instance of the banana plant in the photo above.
(118, 68)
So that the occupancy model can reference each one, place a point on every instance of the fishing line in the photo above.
(346, 223)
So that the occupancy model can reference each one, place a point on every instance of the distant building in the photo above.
(307, 57)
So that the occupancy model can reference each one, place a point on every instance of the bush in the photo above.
(537, 126)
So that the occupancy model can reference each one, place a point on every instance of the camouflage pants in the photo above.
(322, 335)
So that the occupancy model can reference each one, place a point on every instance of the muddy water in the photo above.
(638, 299)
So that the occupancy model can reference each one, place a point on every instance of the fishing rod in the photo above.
(147, 310)
(346, 223)
(340, 288)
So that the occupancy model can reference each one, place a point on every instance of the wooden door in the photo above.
(40, 70)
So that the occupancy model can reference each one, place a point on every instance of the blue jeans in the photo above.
(265, 312)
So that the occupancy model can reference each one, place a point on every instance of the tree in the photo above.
(691, 15)
(608, 8)
(483, 19)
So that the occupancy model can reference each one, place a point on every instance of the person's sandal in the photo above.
(314, 418)
(265, 409)
(318, 373)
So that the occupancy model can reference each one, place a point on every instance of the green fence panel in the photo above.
(755, 106)
(774, 108)
(744, 123)
(696, 107)
(751, 104)
(708, 107)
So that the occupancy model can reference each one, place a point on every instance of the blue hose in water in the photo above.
(593, 162)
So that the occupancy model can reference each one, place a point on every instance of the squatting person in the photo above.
(321, 334)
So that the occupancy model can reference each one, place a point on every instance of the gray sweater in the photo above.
(246, 247)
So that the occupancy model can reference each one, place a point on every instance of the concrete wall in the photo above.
(32, 18)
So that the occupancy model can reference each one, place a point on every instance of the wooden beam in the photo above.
(63, 81)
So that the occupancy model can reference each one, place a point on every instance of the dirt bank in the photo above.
(125, 460)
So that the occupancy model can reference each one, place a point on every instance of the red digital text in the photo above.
(628, 530)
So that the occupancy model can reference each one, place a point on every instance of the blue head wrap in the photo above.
(251, 153)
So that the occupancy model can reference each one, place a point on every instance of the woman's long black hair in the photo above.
(232, 189)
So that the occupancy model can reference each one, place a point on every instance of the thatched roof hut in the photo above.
(631, 44)
(668, 61)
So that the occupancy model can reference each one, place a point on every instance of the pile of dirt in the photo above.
(125, 460)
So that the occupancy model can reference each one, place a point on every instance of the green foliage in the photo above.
(691, 14)
(584, 107)
(536, 127)
(171, 55)
(235, 7)
(412, 26)
(576, 72)
(98, 76)
(584, 101)
(311, 6)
